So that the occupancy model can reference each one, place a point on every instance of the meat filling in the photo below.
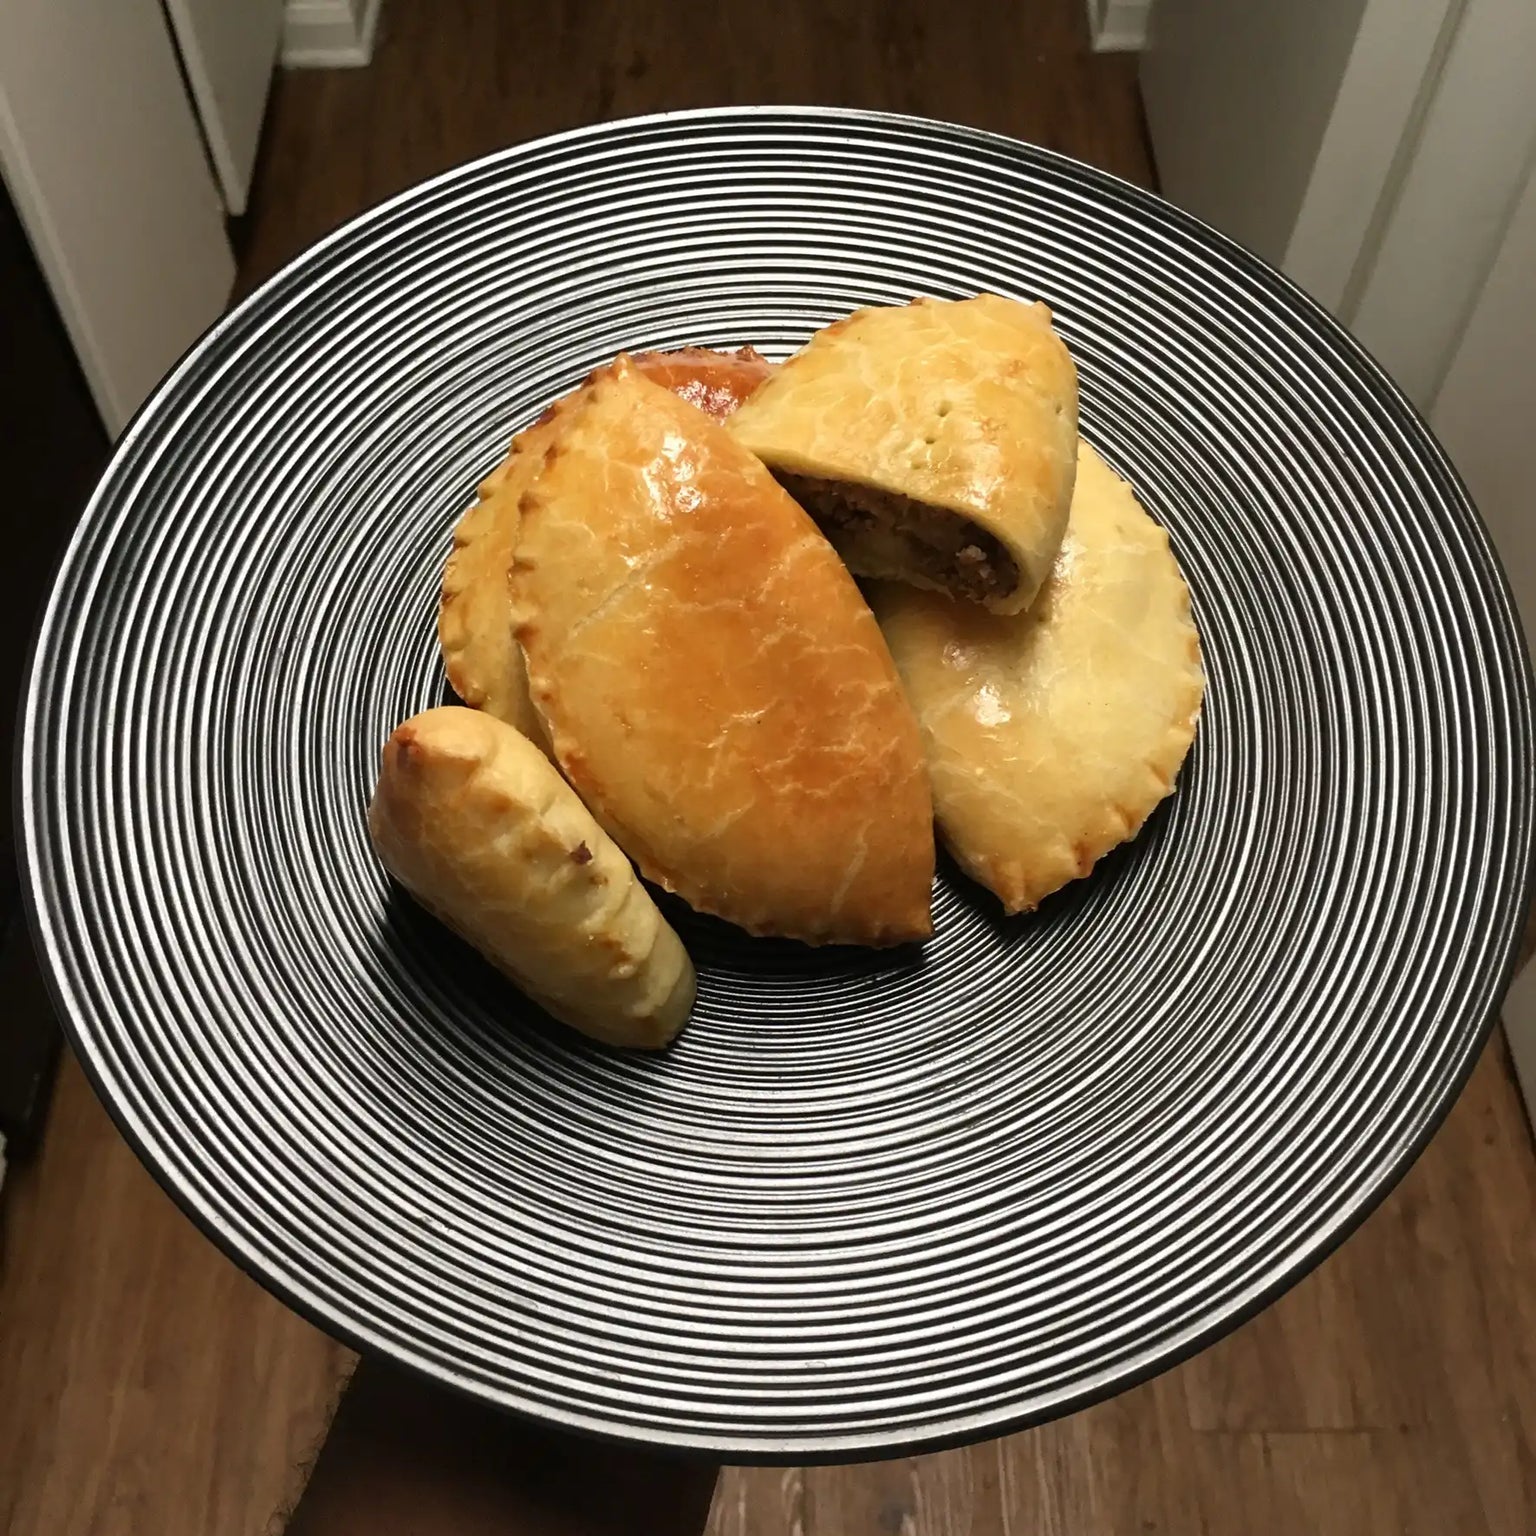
(881, 533)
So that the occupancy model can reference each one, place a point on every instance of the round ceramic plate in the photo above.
(869, 1201)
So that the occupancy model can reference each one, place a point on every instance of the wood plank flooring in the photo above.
(454, 79)
(1391, 1392)
(148, 1387)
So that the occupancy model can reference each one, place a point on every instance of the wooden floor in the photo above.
(147, 1387)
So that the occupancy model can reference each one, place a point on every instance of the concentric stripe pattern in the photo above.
(869, 1201)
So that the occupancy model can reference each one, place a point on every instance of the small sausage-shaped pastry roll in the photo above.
(472, 820)
(934, 442)
(483, 661)
(1053, 734)
(714, 684)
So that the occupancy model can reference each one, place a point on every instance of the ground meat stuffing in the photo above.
(875, 531)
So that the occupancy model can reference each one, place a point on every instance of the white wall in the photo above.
(1372, 149)
(1414, 146)
(1238, 96)
(103, 158)
(1485, 411)
(1455, 199)
(1386, 88)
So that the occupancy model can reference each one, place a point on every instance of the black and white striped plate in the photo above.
(867, 1202)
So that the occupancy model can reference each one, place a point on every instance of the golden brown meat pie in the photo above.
(474, 627)
(714, 685)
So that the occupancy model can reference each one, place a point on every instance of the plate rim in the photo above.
(831, 1447)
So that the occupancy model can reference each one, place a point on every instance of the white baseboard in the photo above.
(329, 34)
(1118, 26)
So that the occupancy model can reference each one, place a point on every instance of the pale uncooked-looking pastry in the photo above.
(474, 629)
(1052, 735)
(472, 820)
(715, 687)
(934, 442)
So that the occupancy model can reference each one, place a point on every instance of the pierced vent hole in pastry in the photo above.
(951, 550)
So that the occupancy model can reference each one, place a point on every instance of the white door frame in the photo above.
(102, 155)
(229, 48)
